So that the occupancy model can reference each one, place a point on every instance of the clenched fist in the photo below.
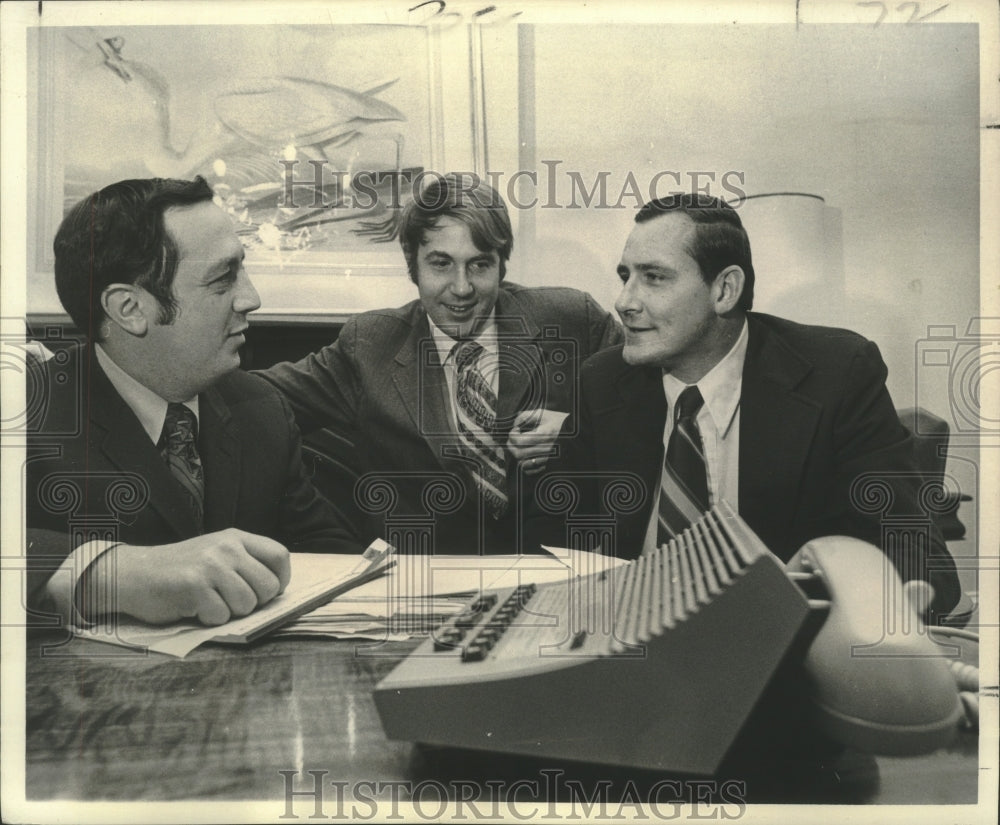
(212, 578)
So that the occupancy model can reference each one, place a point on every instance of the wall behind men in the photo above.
(879, 123)
(877, 126)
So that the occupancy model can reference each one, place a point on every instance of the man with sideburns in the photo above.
(163, 483)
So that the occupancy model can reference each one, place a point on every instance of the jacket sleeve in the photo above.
(308, 521)
(323, 391)
(323, 388)
(565, 485)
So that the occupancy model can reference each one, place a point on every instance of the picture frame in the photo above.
(313, 137)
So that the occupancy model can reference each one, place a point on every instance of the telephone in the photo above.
(657, 664)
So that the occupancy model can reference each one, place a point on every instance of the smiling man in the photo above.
(163, 483)
(708, 401)
(440, 413)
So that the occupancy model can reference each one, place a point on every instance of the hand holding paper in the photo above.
(315, 578)
(211, 578)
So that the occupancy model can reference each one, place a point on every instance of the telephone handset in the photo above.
(880, 683)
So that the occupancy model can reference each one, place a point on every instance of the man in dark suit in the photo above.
(439, 414)
(162, 482)
(791, 424)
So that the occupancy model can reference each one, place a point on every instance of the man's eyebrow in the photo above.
(644, 267)
(223, 265)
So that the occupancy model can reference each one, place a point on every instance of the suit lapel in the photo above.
(643, 416)
(423, 390)
(777, 427)
(126, 445)
(221, 458)
(522, 372)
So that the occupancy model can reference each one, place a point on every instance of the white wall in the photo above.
(881, 123)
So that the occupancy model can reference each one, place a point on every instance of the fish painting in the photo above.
(258, 122)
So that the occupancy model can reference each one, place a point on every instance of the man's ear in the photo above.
(728, 289)
(127, 306)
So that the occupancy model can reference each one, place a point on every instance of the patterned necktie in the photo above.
(684, 482)
(178, 446)
(475, 412)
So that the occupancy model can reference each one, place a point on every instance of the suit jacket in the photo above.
(822, 451)
(380, 392)
(93, 472)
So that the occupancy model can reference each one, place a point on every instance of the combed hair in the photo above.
(465, 198)
(719, 238)
(117, 236)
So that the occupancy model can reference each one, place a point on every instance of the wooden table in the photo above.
(104, 724)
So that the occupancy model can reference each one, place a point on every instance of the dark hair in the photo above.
(719, 238)
(466, 198)
(117, 235)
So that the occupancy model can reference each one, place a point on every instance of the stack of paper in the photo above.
(422, 592)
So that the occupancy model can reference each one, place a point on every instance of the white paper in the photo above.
(311, 575)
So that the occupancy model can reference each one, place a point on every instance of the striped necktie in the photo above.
(475, 412)
(684, 482)
(178, 446)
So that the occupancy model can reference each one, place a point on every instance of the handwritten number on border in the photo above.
(915, 16)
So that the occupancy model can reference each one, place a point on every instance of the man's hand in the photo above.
(212, 578)
(533, 436)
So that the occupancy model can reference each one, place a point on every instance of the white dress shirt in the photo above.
(719, 423)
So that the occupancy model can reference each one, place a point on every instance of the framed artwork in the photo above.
(312, 136)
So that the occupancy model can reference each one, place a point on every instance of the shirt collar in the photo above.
(149, 408)
(445, 344)
(720, 386)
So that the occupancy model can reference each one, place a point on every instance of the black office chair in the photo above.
(930, 436)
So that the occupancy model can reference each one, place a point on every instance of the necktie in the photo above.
(684, 483)
(475, 412)
(178, 446)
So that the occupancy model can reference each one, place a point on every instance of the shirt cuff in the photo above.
(63, 585)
